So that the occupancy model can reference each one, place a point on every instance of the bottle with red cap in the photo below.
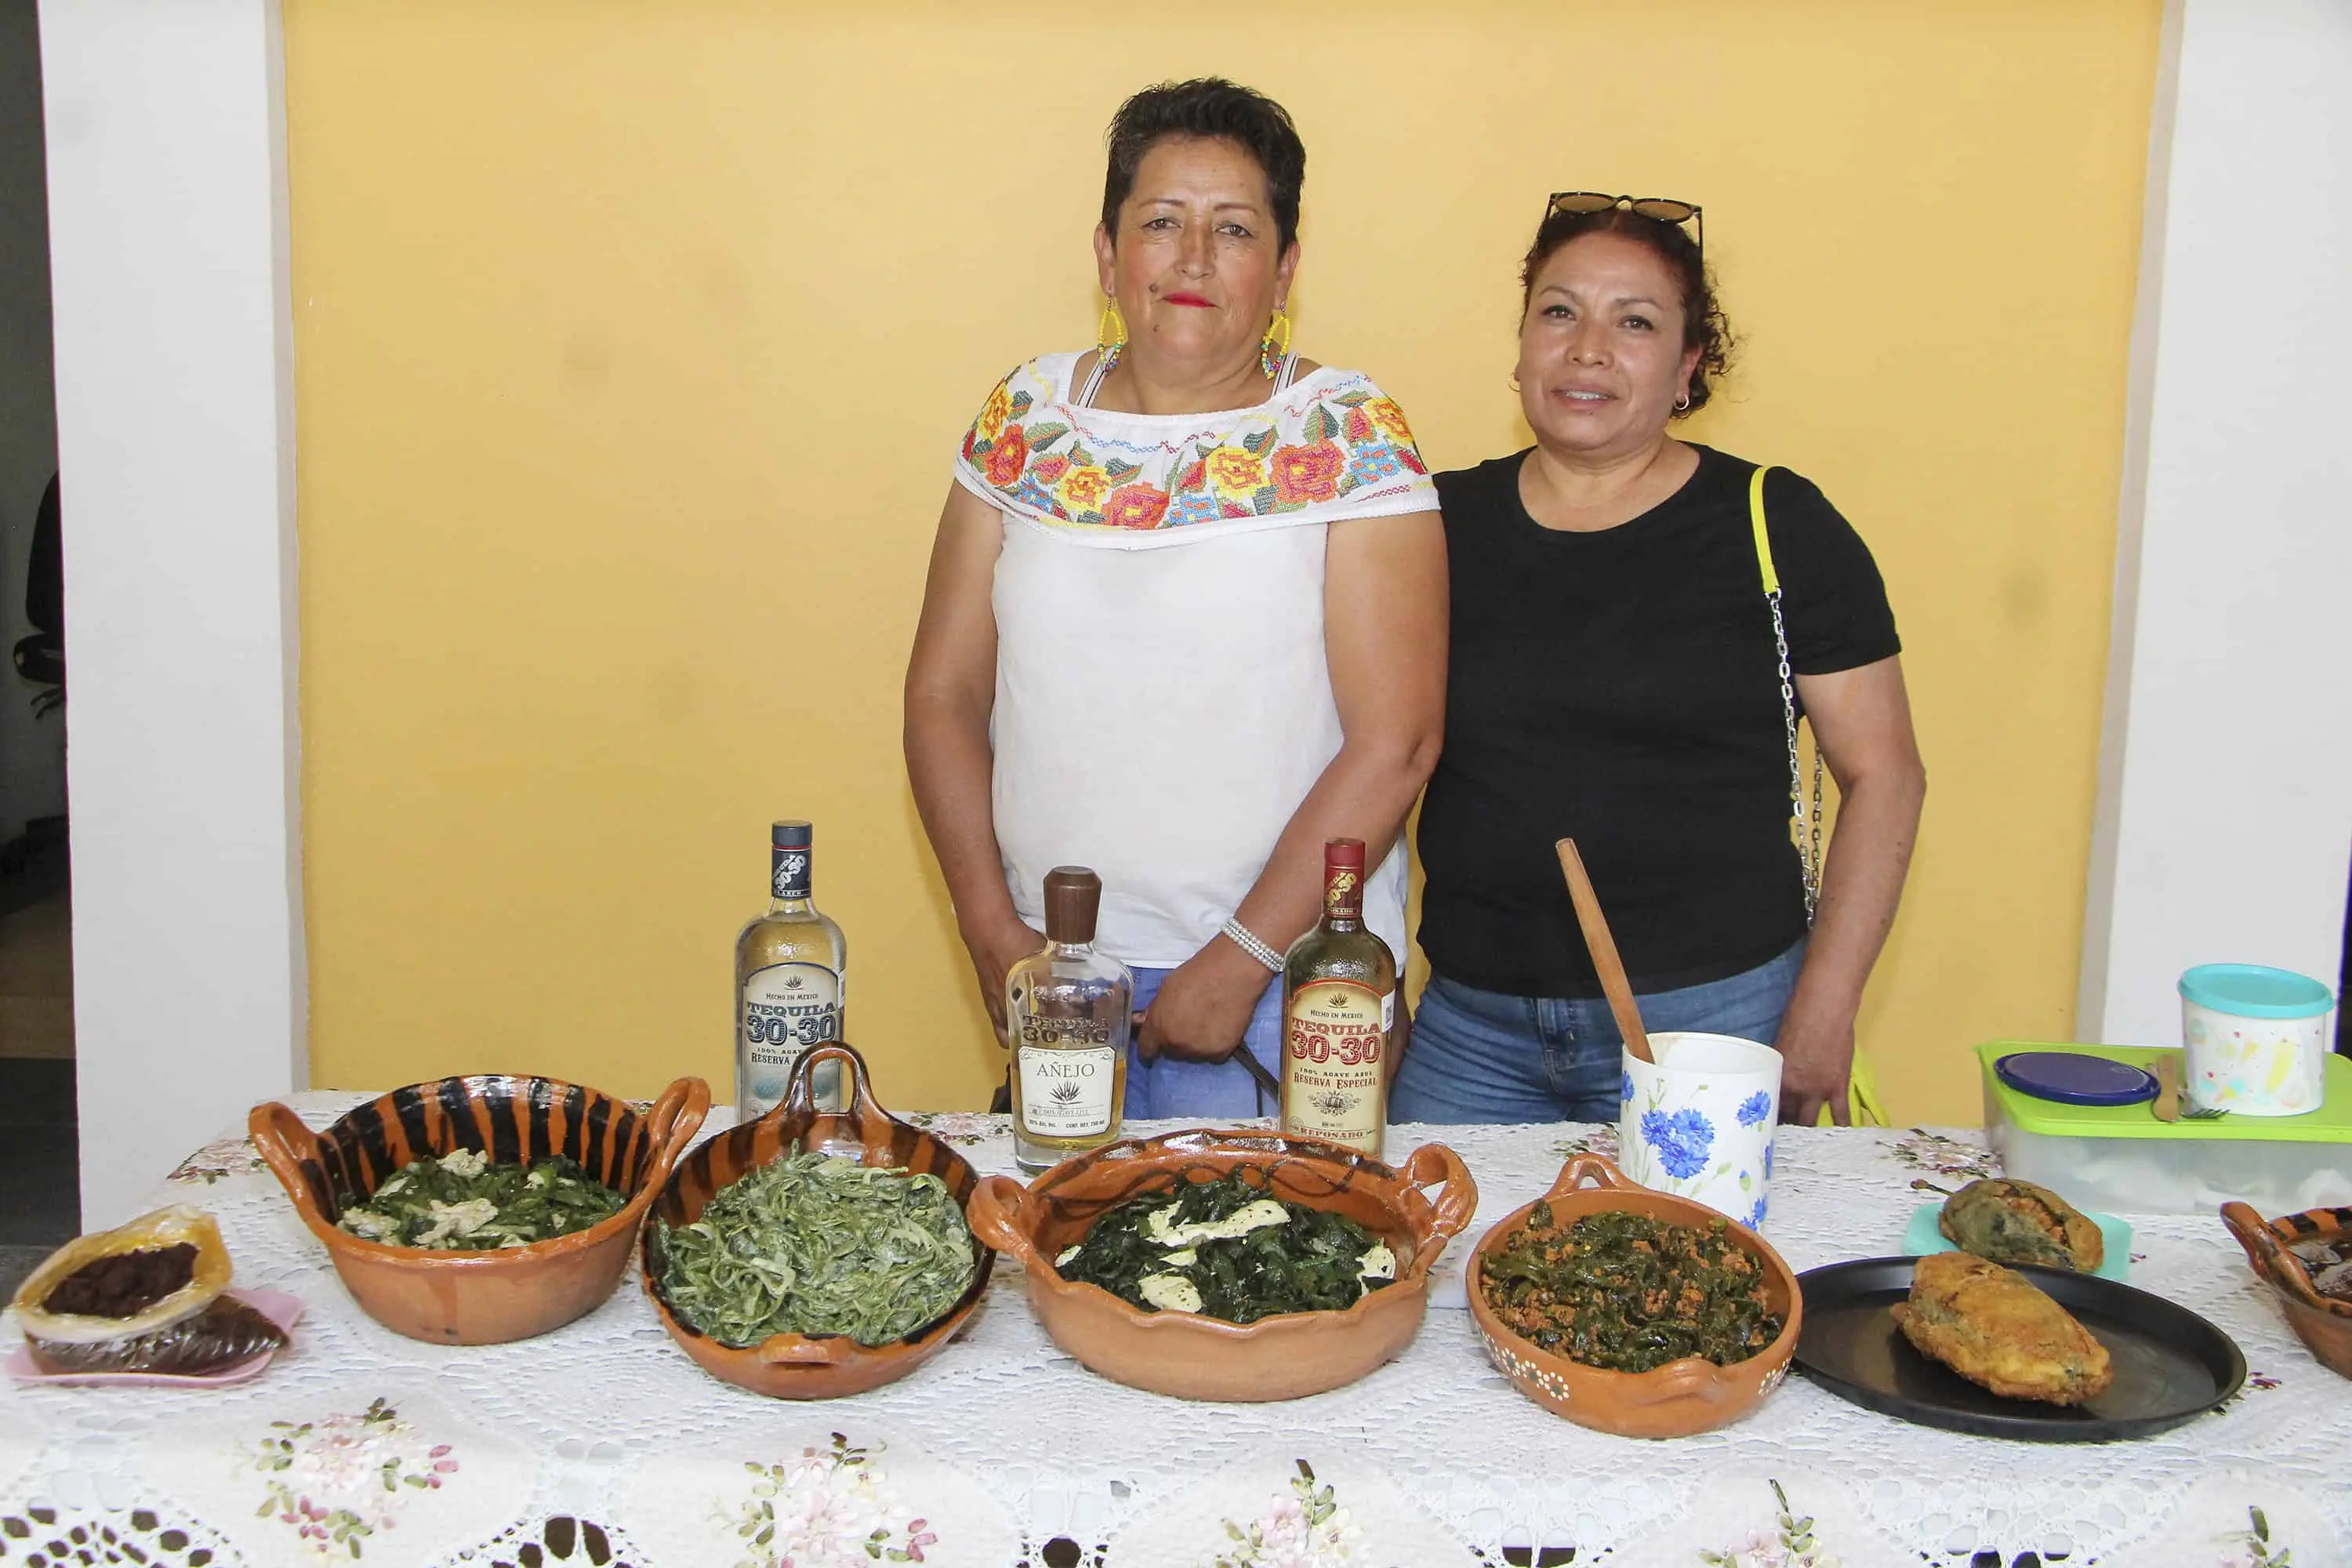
(1338, 1003)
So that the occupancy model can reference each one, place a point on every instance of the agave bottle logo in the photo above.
(1067, 1092)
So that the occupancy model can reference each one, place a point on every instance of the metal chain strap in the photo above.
(1808, 835)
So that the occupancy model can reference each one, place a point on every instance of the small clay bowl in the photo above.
(1673, 1401)
(481, 1298)
(1195, 1357)
(812, 1366)
(2324, 1325)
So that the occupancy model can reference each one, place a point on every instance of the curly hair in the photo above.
(1209, 107)
(1704, 327)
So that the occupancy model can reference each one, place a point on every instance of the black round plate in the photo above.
(2171, 1365)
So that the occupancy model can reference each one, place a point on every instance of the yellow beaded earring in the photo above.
(1276, 347)
(1111, 336)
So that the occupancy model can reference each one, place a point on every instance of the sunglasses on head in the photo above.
(1658, 208)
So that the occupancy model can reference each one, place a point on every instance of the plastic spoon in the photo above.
(1603, 948)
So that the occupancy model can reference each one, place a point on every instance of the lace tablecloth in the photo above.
(603, 1444)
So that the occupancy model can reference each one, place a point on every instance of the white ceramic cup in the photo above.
(1698, 1123)
(2253, 1039)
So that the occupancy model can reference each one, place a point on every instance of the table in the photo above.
(603, 1444)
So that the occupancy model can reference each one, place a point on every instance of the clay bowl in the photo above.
(2325, 1326)
(1194, 1357)
(812, 1366)
(481, 1298)
(1673, 1401)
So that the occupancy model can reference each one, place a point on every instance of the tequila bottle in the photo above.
(1338, 1002)
(1067, 1010)
(792, 981)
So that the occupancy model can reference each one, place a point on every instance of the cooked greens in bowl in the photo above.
(818, 1244)
(1624, 1293)
(1224, 1248)
(462, 1202)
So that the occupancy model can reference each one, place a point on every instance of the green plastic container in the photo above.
(2122, 1159)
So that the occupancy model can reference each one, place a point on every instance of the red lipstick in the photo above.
(1192, 299)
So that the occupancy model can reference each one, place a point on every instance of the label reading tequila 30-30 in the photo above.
(1331, 1070)
(787, 1008)
(1069, 1069)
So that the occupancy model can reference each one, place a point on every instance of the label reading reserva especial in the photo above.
(1333, 1041)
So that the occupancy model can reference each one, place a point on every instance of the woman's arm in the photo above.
(950, 693)
(1862, 721)
(1384, 612)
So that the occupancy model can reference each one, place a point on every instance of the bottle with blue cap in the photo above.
(791, 982)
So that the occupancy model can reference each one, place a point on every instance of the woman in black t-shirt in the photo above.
(1615, 679)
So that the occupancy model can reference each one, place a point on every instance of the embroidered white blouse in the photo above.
(1161, 711)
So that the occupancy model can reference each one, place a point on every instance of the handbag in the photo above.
(1805, 826)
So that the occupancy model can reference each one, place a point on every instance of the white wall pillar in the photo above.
(174, 355)
(2224, 822)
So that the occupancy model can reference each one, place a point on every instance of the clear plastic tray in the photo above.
(2123, 1159)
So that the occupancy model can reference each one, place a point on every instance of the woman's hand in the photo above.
(995, 951)
(1816, 1064)
(1204, 1009)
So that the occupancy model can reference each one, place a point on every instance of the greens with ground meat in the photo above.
(461, 1202)
(1226, 1249)
(1626, 1293)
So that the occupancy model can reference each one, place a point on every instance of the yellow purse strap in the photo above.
(1763, 540)
(1862, 1087)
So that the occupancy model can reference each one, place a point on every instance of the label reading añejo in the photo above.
(1334, 1040)
(787, 1008)
(1066, 1089)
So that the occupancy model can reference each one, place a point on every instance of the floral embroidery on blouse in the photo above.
(1332, 441)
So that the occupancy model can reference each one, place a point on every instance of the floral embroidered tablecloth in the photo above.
(601, 1444)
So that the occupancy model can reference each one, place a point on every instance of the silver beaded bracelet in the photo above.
(1248, 942)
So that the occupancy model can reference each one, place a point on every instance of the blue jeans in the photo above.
(1208, 1091)
(1484, 1056)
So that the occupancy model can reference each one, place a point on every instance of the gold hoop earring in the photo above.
(1110, 335)
(1515, 381)
(1275, 346)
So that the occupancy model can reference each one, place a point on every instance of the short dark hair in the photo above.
(1704, 328)
(1211, 107)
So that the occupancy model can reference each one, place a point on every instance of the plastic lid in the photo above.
(793, 835)
(2256, 991)
(2073, 1078)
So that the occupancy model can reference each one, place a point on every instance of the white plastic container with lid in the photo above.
(2121, 1159)
(2255, 1039)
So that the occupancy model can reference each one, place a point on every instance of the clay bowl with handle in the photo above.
(1196, 1357)
(1675, 1400)
(2323, 1323)
(480, 1297)
(812, 1366)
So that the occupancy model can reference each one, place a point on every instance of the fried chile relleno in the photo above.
(1626, 1293)
(1990, 1325)
(2018, 1221)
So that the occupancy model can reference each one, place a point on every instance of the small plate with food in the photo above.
(2041, 1354)
(2012, 1222)
(147, 1304)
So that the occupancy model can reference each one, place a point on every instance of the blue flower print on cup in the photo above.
(1680, 1141)
(1755, 1109)
(1767, 1159)
(1756, 1220)
(1626, 1089)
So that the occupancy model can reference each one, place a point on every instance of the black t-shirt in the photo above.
(1622, 688)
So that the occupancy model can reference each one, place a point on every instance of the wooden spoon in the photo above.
(2168, 1087)
(1603, 948)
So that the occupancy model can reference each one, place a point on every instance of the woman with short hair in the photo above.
(1186, 614)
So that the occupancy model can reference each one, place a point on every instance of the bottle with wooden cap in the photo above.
(1067, 1011)
(1338, 1003)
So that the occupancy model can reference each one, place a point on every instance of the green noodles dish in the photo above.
(818, 1244)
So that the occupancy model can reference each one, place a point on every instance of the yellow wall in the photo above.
(633, 340)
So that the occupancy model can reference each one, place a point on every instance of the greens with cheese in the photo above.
(1225, 1250)
(461, 1202)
